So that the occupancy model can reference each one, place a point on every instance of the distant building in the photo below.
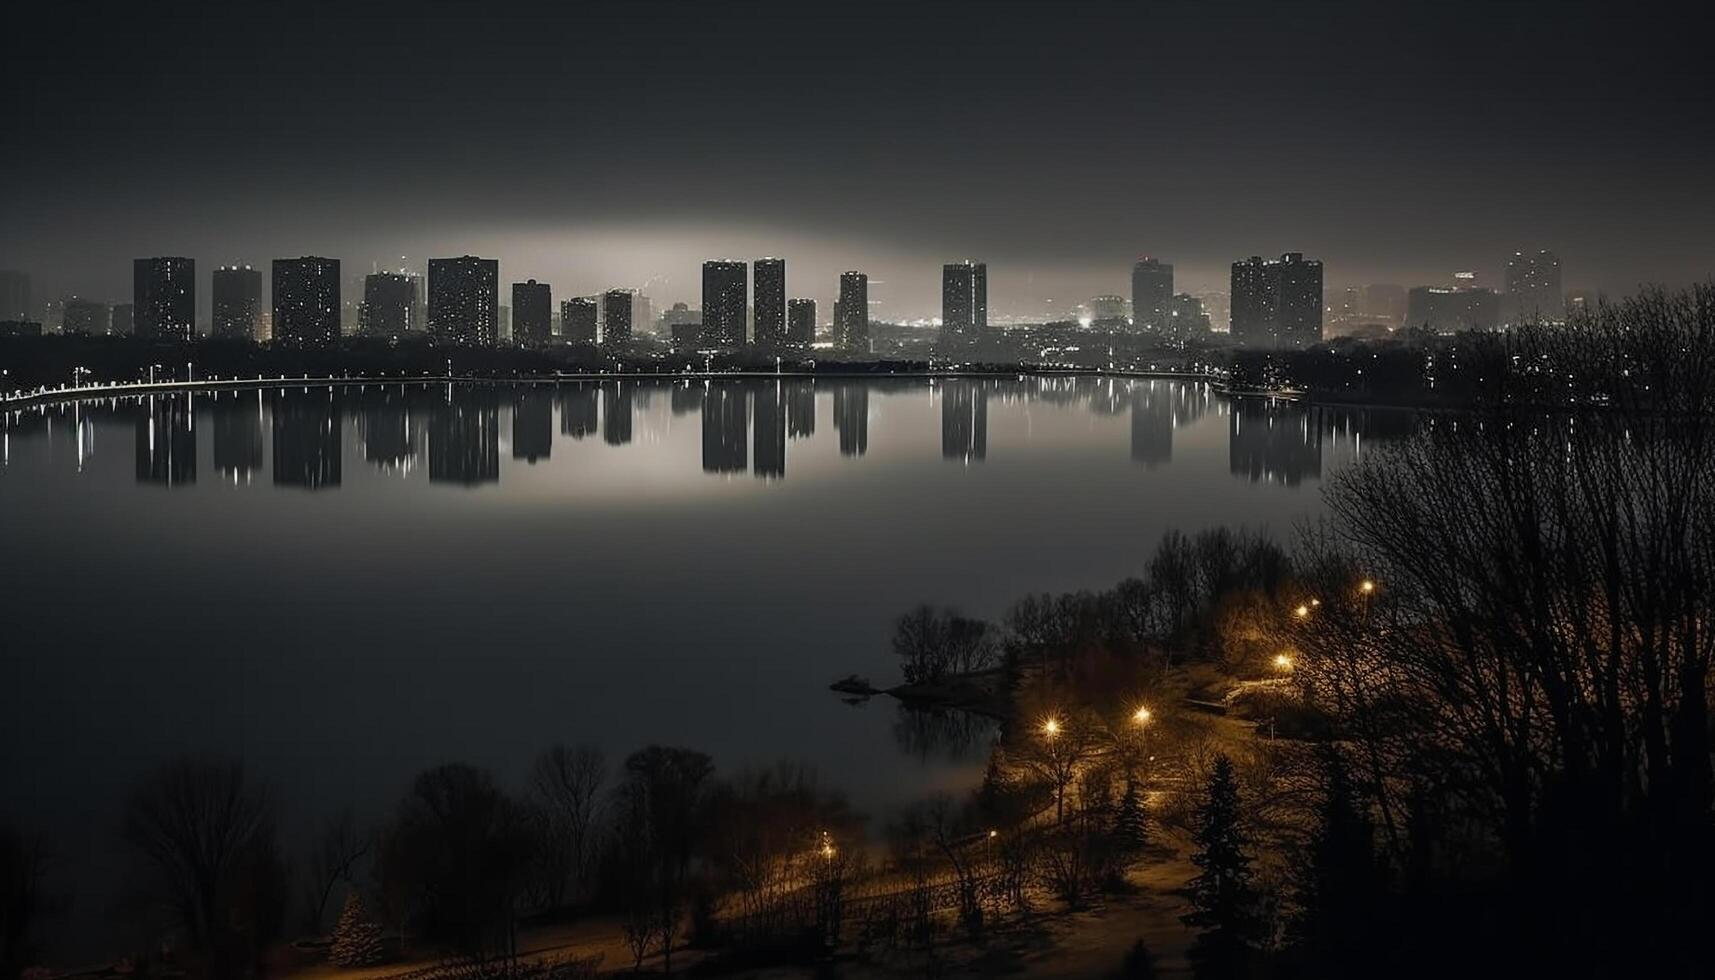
(578, 317)
(851, 313)
(119, 320)
(964, 303)
(724, 302)
(1449, 309)
(306, 301)
(532, 312)
(389, 305)
(464, 300)
(1106, 311)
(20, 328)
(770, 302)
(683, 325)
(1385, 303)
(1277, 303)
(616, 316)
(165, 295)
(237, 294)
(14, 296)
(85, 316)
(1186, 316)
(801, 322)
(1534, 290)
(1151, 295)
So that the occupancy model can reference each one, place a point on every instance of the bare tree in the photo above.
(565, 788)
(339, 847)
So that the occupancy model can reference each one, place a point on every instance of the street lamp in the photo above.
(1141, 716)
(1366, 586)
(1282, 662)
(1302, 612)
(1051, 727)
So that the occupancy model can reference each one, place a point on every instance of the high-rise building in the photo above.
(964, 303)
(770, 302)
(801, 322)
(120, 320)
(724, 302)
(306, 301)
(1534, 290)
(1449, 310)
(164, 291)
(237, 302)
(1186, 317)
(616, 316)
(1277, 303)
(464, 300)
(578, 317)
(389, 305)
(14, 295)
(1152, 295)
(1384, 302)
(84, 316)
(851, 313)
(532, 312)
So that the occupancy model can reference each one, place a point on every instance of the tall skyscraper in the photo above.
(1151, 295)
(306, 301)
(14, 295)
(724, 302)
(1534, 289)
(532, 312)
(616, 316)
(237, 302)
(769, 304)
(464, 300)
(801, 322)
(389, 304)
(851, 313)
(164, 291)
(964, 303)
(1277, 303)
(578, 317)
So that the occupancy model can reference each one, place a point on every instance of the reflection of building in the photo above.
(306, 301)
(964, 303)
(1534, 288)
(1151, 295)
(800, 409)
(725, 423)
(389, 305)
(851, 418)
(464, 437)
(237, 433)
(1277, 303)
(964, 421)
(1273, 441)
(165, 297)
(580, 412)
(237, 292)
(851, 313)
(532, 312)
(1449, 310)
(685, 398)
(386, 430)
(801, 322)
(532, 425)
(464, 300)
(770, 302)
(166, 441)
(578, 320)
(616, 316)
(616, 412)
(724, 302)
(1152, 424)
(770, 433)
(307, 437)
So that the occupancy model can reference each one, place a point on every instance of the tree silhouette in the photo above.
(1223, 903)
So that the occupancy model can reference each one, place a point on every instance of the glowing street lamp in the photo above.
(1282, 662)
(1302, 612)
(1051, 727)
(1366, 586)
(1141, 716)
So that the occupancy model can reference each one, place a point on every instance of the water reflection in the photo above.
(928, 733)
(166, 441)
(464, 437)
(745, 425)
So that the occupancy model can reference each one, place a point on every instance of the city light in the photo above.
(1366, 587)
(1282, 662)
(1051, 727)
(1302, 612)
(1141, 716)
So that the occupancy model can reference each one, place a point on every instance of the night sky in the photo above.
(593, 146)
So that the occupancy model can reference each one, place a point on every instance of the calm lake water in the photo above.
(344, 586)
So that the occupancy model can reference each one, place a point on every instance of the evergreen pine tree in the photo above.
(1223, 903)
(357, 937)
(1339, 882)
(1130, 827)
(1139, 963)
